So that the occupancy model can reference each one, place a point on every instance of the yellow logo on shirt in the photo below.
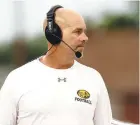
(83, 94)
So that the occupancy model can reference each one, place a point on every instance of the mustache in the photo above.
(81, 45)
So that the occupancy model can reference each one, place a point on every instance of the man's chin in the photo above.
(80, 49)
(82, 54)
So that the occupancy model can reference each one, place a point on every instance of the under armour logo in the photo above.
(64, 79)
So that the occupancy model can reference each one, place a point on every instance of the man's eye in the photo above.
(78, 31)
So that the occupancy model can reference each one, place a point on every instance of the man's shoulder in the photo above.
(86, 68)
(24, 69)
(90, 73)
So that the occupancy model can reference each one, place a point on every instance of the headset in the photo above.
(53, 32)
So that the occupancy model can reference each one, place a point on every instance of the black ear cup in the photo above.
(53, 32)
(55, 36)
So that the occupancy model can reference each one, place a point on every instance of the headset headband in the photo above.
(51, 13)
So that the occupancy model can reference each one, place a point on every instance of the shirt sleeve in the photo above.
(7, 102)
(103, 113)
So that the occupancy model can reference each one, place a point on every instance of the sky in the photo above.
(26, 16)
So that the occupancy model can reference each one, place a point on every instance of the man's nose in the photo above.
(84, 37)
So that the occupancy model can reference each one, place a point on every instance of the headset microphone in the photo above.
(77, 53)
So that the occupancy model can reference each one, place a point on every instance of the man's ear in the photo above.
(44, 24)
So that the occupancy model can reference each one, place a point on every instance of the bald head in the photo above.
(66, 18)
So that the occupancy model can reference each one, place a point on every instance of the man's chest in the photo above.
(60, 94)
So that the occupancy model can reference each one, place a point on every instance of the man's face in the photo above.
(75, 36)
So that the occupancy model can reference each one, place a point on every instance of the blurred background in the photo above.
(112, 49)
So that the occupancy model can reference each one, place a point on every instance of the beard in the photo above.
(80, 48)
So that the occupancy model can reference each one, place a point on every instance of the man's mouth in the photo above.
(81, 45)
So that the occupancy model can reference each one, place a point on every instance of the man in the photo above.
(55, 89)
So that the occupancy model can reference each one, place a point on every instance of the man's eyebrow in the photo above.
(80, 29)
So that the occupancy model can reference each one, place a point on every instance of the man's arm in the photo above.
(103, 113)
(7, 102)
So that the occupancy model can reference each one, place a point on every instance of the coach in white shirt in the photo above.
(55, 89)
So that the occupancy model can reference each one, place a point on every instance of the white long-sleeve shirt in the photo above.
(35, 94)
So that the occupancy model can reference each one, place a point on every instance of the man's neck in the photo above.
(58, 62)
